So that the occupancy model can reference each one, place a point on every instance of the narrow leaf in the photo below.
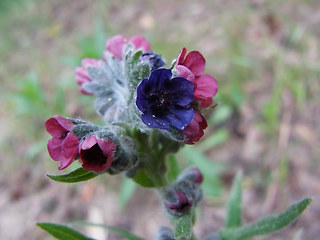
(126, 191)
(142, 179)
(234, 203)
(124, 233)
(217, 138)
(183, 227)
(266, 225)
(78, 175)
(62, 232)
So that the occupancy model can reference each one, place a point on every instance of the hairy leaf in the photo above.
(266, 225)
(234, 203)
(62, 232)
(78, 175)
(120, 231)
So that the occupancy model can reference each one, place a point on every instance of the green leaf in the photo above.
(234, 203)
(62, 232)
(135, 58)
(124, 233)
(78, 175)
(142, 179)
(126, 191)
(266, 225)
(221, 114)
(183, 227)
(173, 168)
(218, 137)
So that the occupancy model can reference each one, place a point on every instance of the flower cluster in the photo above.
(73, 139)
(133, 91)
(185, 193)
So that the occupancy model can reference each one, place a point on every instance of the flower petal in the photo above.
(158, 77)
(141, 101)
(58, 126)
(156, 122)
(195, 62)
(55, 149)
(140, 42)
(182, 91)
(194, 130)
(185, 73)
(205, 87)
(180, 117)
(115, 45)
(107, 147)
(206, 103)
(88, 142)
(70, 146)
(180, 58)
(65, 163)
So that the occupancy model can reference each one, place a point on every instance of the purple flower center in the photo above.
(159, 101)
(165, 101)
(94, 156)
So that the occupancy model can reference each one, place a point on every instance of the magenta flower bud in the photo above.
(97, 154)
(181, 204)
(63, 146)
(140, 43)
(192, 174)
(116, 44)
(194, 131)
(82, 75)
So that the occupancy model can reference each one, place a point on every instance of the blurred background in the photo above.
(265, 56)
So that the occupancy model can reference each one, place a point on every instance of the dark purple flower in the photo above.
(164, 101)
(97, 154)
(64, 145)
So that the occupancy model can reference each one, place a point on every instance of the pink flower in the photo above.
(191, 67)
(116, 44)
(194, 131)
(96, 154)
(82, 75)
(63, 146)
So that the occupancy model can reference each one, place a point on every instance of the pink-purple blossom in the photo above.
(82, 75)
(63, 146)
(116, 44)
(194, 131)
(97, 154)
(191, 67)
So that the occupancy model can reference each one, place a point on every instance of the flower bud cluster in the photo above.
(134, 93)
(184, 194)
(98, 149)
(164, 233)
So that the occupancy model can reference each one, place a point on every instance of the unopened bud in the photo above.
(164, 233)
(192, 174)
